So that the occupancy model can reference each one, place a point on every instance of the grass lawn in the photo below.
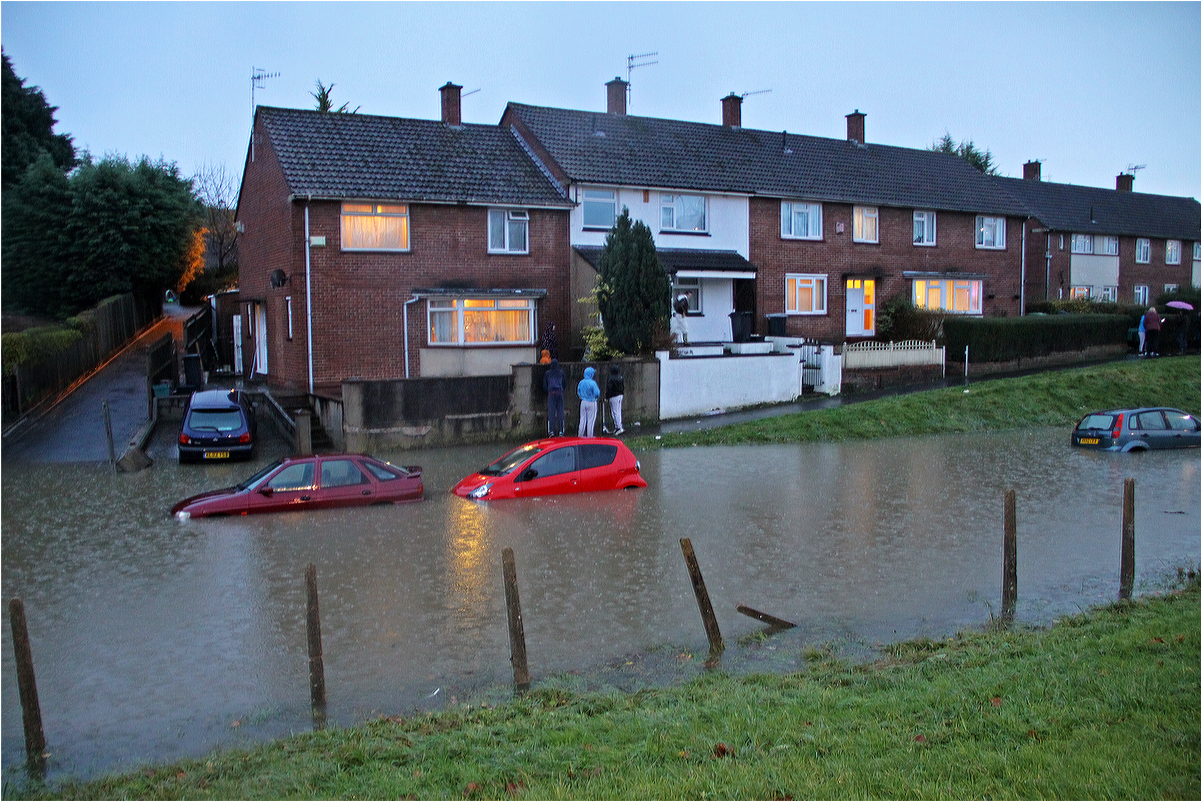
(1101, 705)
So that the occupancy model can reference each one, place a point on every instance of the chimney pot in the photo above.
(451, 112)
(1124, 182)
(1032, 170)
(732, 111)
(855, 126)
(615, 95)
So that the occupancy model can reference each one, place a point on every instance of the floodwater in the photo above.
(155, 639)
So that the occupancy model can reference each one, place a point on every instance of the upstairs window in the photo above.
(375, 227)
(600, 208)
(508, 231)
(1107, 246)
(1172, 252)
(1143, 251)
(866, 224)
(800, 220)
(991, 233)
(682, 213)
(1082, 243)
(481, 321)
(924, 228)
(805, 294)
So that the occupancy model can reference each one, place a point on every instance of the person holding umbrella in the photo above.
(1184, 319)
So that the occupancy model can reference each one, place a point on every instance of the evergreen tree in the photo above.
(634, 293)
(967, 150)
(27, 129)
(34, 260)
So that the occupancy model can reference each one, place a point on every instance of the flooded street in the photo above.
(155, 640)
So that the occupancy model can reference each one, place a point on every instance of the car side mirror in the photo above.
(529, 474)
(266, 492)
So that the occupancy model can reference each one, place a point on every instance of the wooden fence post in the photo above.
(703, 598)
(317, 672)
(1127, 560)
(27, 686)
(108, 433)
(517, 632)
(1009, 560)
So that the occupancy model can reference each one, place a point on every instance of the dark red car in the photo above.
(306, 483)
(553, 466)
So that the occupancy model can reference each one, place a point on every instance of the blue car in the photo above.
(218, 425)
(1141, 429)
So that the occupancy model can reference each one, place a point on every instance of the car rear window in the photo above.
(596, 456)
(385, 473)
(215, 420)
(1096, 422)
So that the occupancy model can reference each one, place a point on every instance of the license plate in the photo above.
(1087, 441)
(226, 454)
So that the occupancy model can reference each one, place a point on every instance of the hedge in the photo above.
(20, 347)
(1003, 339)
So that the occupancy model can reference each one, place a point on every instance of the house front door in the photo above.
(260, 333)
(861, 307)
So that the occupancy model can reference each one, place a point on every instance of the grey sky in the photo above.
(1088, 88)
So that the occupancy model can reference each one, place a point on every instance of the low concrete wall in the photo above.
(329, 412)
(1095, 353)
(417, 413)
(866, 379)
(640, 403)
(697, 385)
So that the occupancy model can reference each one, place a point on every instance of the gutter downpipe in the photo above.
(405, 323)
(1047, 270)
(1022, 288)
(309, 294)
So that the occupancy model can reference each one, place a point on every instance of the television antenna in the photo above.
(633, 63)
(1134, 168)
(465, 94)
(257, 76)
(756, 92)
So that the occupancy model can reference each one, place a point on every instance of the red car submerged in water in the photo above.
(553, 466)
(313, 482)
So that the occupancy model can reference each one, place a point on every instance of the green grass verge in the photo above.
(1101, 705)
(1053, 398)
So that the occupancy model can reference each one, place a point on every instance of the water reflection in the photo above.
(155, 640)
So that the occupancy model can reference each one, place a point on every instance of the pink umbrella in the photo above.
(1180, 305)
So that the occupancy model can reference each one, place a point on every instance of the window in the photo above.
(600, 208)
(298, 476)
(1180, 422)
(682, 213)
(1080, 292)
(1082, 243)
(959, 296)
(385, 473)
(866, 224)
(1141, 293)
(1108, 246)
(597, 456)
(1143, 251)
(690, 288)
(375, 227)
(481, 321)
(1197, 251)
(1109, 294)
(805, 295)
(991, 232)
(1172, 252)
(553, 463)
(1171, 287)
(800, 220)
(508, 231)
(341, 473)
(924, 228)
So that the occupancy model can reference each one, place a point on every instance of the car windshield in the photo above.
(215, 420)
(510, 461)
(1097, 421)
(258, 477)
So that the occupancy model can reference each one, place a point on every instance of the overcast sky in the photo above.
(1087, 88)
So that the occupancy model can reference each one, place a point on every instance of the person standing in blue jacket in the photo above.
(553, 383)
(589, 392)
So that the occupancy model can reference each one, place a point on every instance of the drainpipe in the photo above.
(1022, 288)
(1047, 270)
(309, 295)
(405, 323)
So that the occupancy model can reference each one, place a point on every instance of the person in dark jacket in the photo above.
(553, 383)
(1152, 321)
(615, 389)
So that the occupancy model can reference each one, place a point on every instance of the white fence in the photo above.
(865, 355)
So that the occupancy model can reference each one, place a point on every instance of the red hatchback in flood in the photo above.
(553, 466)
(314, 482)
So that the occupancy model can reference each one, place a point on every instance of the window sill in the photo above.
(376, 250)
(684, 233)
(596, 228)
(801, 239)
(509, 253)
(866, 241)
(925, 244)
(480, 345)
(805, 314)
(991, 248)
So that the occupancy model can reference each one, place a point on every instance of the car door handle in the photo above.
(304, 498)
(366, 492)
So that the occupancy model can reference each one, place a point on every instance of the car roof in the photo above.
(214, 398)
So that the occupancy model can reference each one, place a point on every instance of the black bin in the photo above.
(740, 326)
(776, 326)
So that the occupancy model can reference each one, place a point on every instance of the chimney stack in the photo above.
(732, 111)
(1032, 171)
(1123, 182)
(451, 113)
(615, 95)
(855, 127)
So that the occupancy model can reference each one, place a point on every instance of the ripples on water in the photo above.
(155, 640)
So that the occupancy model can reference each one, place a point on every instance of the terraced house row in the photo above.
(384, 248)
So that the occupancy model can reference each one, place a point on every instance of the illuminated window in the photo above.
(375, 227)
(508, 231)
(924, 228)
(481, 321)
(1172, 252)
(805, 295)
(682, 213)
(800, 220)
(1080, 292)
(1143, 251)
(991, 233)
(958, 296)
(866, 224)
(600, 207)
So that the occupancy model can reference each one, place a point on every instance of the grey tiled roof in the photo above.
(595, 147)
(682, 259)
(1084, 210)
(331, 155)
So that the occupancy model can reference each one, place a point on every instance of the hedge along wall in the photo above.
(1005, 339)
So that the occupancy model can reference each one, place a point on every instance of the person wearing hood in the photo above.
(553, 383)
(589, 392)
(615, 388)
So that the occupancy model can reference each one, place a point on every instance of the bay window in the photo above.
(800, 220)
(481, 321)
(958, 296)
(805, 294)
(682, 213)
(866, 224)
(375, 227)
(508, 231)
(924, 228)
(991, 232)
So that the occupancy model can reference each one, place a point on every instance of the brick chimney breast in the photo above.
(615, 96)
(1032, 171)
(1124, 182)
(451, 112)
(855, 126)
(732, 111)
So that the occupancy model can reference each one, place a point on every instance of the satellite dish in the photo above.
(278, 278)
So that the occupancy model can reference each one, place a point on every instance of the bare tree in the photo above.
(217, 189)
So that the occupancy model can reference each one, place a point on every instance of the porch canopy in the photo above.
(687, 262)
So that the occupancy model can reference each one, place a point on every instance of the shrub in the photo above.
(1005, 339)
(31, 345)
(897, 319)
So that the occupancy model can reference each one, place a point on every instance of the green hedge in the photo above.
(30, 345)
(1003, 339)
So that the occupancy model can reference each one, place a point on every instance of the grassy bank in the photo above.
(1103, 705)
(1054, 398)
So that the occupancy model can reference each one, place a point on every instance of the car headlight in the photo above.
(183, 515)
(481, 491)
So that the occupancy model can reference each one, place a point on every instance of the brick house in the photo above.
(426, 247)
(1106, 244)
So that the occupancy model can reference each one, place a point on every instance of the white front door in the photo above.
(861, 307)
(238, 344)
(260, 338)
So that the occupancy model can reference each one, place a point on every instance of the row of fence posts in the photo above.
(35, 739)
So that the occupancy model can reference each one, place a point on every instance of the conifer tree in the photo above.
(634, 293)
